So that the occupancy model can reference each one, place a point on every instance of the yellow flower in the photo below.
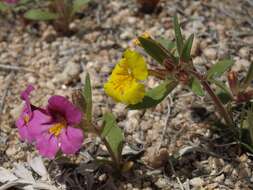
(124, 83)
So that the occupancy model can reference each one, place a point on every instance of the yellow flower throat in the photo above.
(56, 128)
(26, 119)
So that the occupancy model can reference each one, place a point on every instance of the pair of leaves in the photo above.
(161, 49)
(183, 49)
(155, 95)
(45, 15)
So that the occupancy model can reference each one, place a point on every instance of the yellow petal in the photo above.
(127, 91)
(137, 64)
(123, 84)
(134, 93)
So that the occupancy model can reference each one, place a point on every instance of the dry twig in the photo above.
(14, 68)
(6, 90)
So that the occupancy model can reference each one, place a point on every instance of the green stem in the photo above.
(222, 110)
(108, 147)
(156, 74)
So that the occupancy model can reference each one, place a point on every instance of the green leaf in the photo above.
(186, 54)
(155, 50)
(78, 5)
(3, 6)
(167, 44)
(219, 68)
(87, 93)
(249, 77)
(178, 35)
(40, 15)
(155, 95)
(113, 134)
(196, 87)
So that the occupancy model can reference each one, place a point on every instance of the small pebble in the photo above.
(197, 182)
(210, 53)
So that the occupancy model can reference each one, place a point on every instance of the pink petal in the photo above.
(25, 94)
(47, 145)
(64, 107)
(20, 121)
(39, 123)
(71, 140)
(24, 134)
(22, 128)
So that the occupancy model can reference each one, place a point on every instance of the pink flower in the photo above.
(11, 1)
(30, 116)
(58, 132)
(52, 128)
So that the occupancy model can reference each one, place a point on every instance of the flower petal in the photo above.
(71, 140)
(61, 105)
(137, 64)
(39, 123)
(110, 90)
(22, 127)
(20, 121)
(24, 134)
(47, 145)
(134, 93)
(25, 94)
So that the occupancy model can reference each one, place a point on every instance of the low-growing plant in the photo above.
(175, 67)
(60, 12)
(61, 124)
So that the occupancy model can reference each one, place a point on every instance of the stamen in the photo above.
(26, 119)
(56, 129)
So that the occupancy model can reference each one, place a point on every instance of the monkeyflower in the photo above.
(124, 84)
(51, 128)
(59, 132)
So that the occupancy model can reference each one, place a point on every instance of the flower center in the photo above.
(26, 119)
(56, 129)
(123, 81)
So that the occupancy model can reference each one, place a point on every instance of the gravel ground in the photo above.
(58, 65)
